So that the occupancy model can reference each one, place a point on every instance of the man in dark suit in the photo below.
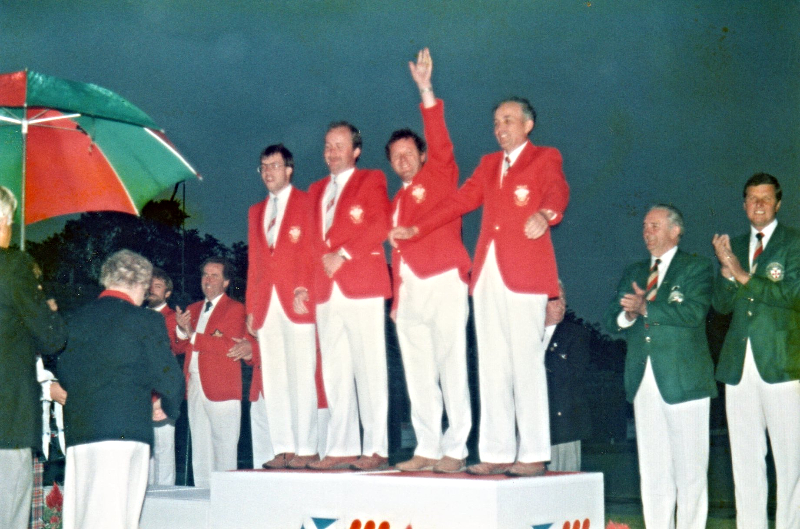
(566, 359)
(117, 355)
(27, 326)
(351, 212)
(214, 338)
(759, 282)
(661, 306)
(523, 193)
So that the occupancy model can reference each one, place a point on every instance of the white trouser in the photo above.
(215, 432)
(16, 487)
(513, 383)
(673, 444)
(353, 347)
(323, 417)
(431, 328)
(565, 457)
(105, 484)
(755, 407)
(259, 432)
(288, 362)
(162, 460)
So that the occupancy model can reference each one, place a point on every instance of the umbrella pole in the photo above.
(24, 169)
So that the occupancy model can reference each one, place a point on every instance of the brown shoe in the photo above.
(526, 469)
(450, 465)
(302, 461)
(417, 464)
(373, 462)
(279, 461)
(488, 469)
(333, 463)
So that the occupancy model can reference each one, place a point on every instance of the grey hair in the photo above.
(8, 203)
(674, 215)
(126, 268)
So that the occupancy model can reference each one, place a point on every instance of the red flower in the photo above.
(54, 519)
(54, 499)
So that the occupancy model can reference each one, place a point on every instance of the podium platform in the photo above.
(379, 500)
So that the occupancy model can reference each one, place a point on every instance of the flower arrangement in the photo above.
(53, 504)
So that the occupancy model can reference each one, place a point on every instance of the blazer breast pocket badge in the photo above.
(357, 214)
(294, 233)
(675, 295)
(418, 192)
(775, 271)
(522, 195)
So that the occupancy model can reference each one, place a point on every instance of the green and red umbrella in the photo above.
(68, 147)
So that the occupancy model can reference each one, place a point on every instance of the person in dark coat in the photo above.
(117, 355)
(27, 325)
(566, 360)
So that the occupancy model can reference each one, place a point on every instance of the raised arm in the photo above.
(421, 73)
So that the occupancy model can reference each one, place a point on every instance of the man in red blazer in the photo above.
(280, 310)
(214, 337)
(430, 288)
(351, 217)
(523, 192)
(162, 459)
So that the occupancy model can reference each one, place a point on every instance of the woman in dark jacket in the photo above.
(117, 355)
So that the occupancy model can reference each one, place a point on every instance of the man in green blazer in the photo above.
(27, 326)
(760, 360)
(661, 307)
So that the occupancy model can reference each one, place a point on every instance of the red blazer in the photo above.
(174, 345)
(441, 249)
(534, 181)
(221, 377)
(169, 320)
(360, 225)
(289, 266)
(256, 382)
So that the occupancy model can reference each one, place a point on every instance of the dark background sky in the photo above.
(669, 101)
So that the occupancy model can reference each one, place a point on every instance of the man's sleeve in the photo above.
(45, 325)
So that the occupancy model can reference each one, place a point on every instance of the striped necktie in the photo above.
(330, 205)
(652, 281)
(506, 167)
(273, 220)
(757, 251)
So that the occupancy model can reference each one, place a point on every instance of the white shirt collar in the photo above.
(768, 230)
(666, 259)
(513, 155)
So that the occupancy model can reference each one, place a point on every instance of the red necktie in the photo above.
(652, 281)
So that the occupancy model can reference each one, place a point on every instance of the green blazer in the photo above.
(764, 310)
(27, 327)
(673, 335)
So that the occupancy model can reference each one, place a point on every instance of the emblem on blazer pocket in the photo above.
(522, 195)
(294, 233)
(418, 192)
(775, 271)
(675, 295)
(357, 214)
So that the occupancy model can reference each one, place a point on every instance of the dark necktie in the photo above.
(208, 306)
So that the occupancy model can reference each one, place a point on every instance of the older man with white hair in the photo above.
(27, 325)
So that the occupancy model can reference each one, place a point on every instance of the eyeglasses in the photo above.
(264, 167)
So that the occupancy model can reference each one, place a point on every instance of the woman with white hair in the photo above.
(117, 355)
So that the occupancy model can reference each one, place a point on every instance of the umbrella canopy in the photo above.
(68, 147)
